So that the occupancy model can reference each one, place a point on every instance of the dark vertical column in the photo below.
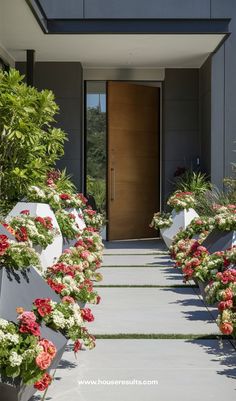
(30, 67)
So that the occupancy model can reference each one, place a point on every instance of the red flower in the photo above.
(22, 234)
(55, 286)
(226, 328)
(82, 198)
(77, 346)
(87, 315)
(26, 212)
(98, 299)
(30, 328)
(43, 383)
(65, 196)
(72, 216)
(43, 306)
(225, 305)
(4, 244)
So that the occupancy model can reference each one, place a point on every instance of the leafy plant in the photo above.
(29, 144)
(197, 183)
(206, 201)
(97, 188)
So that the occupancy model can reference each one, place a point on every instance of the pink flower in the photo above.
(226, 328)
(68, 299)
(48, 347)
(43, 360)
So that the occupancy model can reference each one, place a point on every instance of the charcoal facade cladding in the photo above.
(219, 240)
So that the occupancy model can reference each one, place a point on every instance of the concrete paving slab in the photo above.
(137, 260)
(151, 310)
(135, 246)
(141, 276)
(185, 370)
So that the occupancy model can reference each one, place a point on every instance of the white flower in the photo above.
(58, 319)
(3, 323)
(13, 338)
(15, 359)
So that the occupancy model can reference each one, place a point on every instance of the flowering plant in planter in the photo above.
(223, 291)
(161, 220)
(182, 200)
(69, 280)
(72, 201)
(35, 230)
(66, 317)
(17, 255)
(225, 219)
(68, 226)
(23, 354)
(89, 261)
(91, 240)
(93, 219)
(56, 199)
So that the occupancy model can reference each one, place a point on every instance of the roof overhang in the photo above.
(109, 43)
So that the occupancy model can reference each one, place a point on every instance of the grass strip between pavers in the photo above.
(135, 336)
(145, 286)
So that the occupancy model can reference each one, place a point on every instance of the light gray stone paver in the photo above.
(141, 276)
(151, 310)
(137, 246)
(185, 370)
(137, 260)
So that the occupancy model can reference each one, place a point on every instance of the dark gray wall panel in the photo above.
(66, 81)
(183, 115)
(205, 116)
(147, 9)
(63, 8)
(218, 119)
(224, 84)
(181, 140)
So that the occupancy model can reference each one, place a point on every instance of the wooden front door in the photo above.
(133, 159)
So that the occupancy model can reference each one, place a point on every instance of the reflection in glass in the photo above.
(96, 142)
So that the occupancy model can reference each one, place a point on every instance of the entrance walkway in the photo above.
(149, 326)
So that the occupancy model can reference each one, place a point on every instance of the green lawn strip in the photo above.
(145, 286)
(136, 336)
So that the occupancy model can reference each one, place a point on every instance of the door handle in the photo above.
(113, 184)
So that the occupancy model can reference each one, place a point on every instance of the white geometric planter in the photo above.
(80, 222)
(180, 220)
(50, 255)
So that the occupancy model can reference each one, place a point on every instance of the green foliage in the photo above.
(29, 144)
(97, 188)
(96, 143)
(206, 201)
(197, 183)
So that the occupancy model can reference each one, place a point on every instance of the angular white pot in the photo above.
(79, 220)
(180, 220)
(50, 255)
(81, 224)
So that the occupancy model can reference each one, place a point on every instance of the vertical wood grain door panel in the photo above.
(133, 159)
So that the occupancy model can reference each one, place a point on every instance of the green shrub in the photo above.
(29, 144)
